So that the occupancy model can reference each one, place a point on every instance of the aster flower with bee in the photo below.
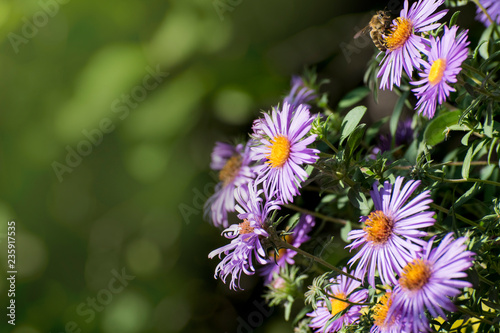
(404, 42)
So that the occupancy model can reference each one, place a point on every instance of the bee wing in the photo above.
(362, 31)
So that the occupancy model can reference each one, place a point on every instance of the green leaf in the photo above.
(358, 199)
(490, 152)
(456, 3)
(288, 309)
(465, 138)
(487, 35)
(345, 231)
(438, 31)
(302, 313)
(355, 139)
(438, 127)
(411, 151)
(454, 18)
(328, 198)
(484, 40)
(479, 146)
(476, 50)
(484, 66)
(467, 160)
(293, 220)
(351, 120)
(468, 195)
(475, 102)
(396, 113)
(353, 97)
(488, 122)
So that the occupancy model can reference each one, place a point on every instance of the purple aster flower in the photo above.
(429, 280)
(297, 238)
(444, 60)
(284, 149)
(300, 93)
(383, 324)
(342, 288)
(391, 236)
(493, 9)
(235, 169)
(404, 43)
(404, 136)
(245, 237)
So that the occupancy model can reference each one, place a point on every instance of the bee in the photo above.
(379, 26)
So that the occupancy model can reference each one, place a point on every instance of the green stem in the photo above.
(316, 214)
(325, 155)
(347, 180)
(472, 314)
(440, 228)
(329, 144)
(456, 163)
(280, 243)
(478, 72)
(337, 175)
(485, 280)
(465, 180)
(435, 166)
(459, 217)
(479, 90)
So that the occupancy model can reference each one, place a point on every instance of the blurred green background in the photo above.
(99, 157)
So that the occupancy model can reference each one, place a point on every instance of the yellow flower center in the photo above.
(378, 227)
(280, 151)
(245, 228)
(400, 33)
(415, 275)
(230, 170)
(338, 306)
(381, 309)
(437, 71)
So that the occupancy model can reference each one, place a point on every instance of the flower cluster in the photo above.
(402, 237)
(411, 47)
(261, 175)
(405, 42)
(392, 244)
(393, 250)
